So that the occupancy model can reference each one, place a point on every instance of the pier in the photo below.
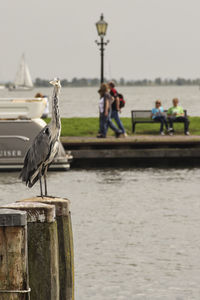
(134, 151)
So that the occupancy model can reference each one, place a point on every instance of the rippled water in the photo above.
(136, 232)
(83, 102)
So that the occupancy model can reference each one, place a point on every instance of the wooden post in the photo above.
(14, 283)
(42, 249)
(65, 241)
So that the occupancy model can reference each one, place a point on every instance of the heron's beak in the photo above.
(55, 82)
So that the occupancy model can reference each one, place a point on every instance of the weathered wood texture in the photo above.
(43, 261)
(13, 259)
(66, 258)
(42, 249)
(65, 241)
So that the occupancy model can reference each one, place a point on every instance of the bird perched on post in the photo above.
(44, 147)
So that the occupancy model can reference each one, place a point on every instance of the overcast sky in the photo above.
(148, 38)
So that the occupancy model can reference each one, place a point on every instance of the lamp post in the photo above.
(101, 29)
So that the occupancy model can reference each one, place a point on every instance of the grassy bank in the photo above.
(89, 127)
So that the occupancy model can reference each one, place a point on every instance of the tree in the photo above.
(158, 81)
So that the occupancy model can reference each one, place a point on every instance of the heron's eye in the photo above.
(47, 131)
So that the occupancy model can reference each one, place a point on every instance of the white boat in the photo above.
(20, 122)
(19, 108)
(16, 137)
(23, 81)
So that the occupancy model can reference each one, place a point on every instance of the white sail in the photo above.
(23, 77)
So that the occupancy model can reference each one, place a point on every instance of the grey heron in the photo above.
(44, 147)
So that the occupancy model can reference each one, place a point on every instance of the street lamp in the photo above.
(101, 29)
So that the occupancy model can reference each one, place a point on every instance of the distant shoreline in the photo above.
(146, 86)
(95, 82)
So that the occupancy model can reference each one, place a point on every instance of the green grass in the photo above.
(89, 127)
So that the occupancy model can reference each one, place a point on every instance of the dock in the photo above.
(134, 151)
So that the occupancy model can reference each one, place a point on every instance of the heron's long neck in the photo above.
(55, 109)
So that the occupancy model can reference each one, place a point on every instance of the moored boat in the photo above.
(15, 139)
(24, 108)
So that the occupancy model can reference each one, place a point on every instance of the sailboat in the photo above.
(23, 81)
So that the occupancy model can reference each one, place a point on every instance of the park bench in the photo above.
(144, 116)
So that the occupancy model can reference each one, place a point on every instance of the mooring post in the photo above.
(14, 283)
(65, 241)
(42, 249)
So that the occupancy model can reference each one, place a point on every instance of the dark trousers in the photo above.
(179, 119)
(162, 120)
(103, 124)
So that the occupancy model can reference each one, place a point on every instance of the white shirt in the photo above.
(46, 110)
(101, 105)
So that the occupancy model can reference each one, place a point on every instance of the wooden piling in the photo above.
(65, 241)
(42, 249)
(14, 283)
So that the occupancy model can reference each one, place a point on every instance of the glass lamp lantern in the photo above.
(101, 26)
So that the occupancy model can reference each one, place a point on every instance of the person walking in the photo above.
(46, 109)
(105, 103)
(116, 108)
(158, 115)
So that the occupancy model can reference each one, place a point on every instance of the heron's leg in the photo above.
(45, 181)
(40, 178)
(41, 193)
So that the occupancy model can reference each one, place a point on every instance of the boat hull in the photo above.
(15, 140)
(19, 88)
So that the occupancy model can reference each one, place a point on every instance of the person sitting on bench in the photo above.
(176, 114)
(158, 115)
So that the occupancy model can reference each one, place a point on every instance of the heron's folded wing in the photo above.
(40, 149)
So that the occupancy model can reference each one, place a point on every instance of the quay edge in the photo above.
(134, 151)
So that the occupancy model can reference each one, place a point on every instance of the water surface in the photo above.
(83, 102)
(136, 231)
